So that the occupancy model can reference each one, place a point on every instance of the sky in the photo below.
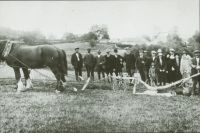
(124, 19)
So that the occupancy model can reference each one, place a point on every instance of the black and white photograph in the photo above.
(100, 66)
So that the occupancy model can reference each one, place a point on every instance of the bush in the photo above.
(93, 43)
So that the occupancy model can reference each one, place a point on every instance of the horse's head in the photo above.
(2, 46)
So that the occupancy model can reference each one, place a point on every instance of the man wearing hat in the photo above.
(89, 61)
(77, 62)
(109, 64)
(195, 69)
(151, 60)
(118, 63)
(100, 62)
(141, 64)
(161, 68)
(130, 60)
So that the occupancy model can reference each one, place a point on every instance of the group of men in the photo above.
(157, 69)
(104, 64)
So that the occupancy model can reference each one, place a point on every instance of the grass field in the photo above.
(97, 109)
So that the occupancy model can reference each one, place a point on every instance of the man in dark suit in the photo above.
(100, 61)
(161, 68)
(89, 61)
(109, 64)
(77, 62)
(130, 60)
(118, 63)
(195, 69)
(141, 64)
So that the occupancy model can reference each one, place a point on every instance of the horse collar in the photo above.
(7, 49)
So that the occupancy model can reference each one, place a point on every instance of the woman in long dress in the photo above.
(185, 68)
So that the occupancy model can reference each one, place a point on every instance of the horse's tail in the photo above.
(64, 62)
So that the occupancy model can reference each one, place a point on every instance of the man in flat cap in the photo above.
(89, 61)
(109, 65)
(77, 62)
(118, 63)
(100, 65)
(141, 64)
(195, 69)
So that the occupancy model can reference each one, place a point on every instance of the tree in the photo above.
(70, 37)
(194, 42)
(33, 37)
(101, 31)
(90, 37)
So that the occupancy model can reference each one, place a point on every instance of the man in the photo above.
(100, 61)
(141, 64)
(109, 64)
(161, 68)
(153, 57)
(89, 61)
(130, 60)
(195, 69)
(148, 64)
(118, 63)
(77, 62)
(151, 60)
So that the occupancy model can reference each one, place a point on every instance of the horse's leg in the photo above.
(20, 86)
(27, 78)
(64, 83)
(57, 74)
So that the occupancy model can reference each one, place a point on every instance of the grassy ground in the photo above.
(97, 109)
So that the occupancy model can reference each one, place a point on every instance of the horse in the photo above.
(25, 57)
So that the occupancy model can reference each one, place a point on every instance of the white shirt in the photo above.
(197, 61)
(160, 58)
(77, 55)
(98, 56)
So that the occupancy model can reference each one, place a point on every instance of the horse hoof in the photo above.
(57, 91)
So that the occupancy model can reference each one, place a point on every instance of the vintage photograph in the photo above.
(100, 66)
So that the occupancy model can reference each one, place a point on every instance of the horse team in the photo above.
(156, 70)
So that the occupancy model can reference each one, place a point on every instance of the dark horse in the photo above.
(34, 57)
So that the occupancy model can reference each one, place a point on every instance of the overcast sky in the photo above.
(124, 19)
